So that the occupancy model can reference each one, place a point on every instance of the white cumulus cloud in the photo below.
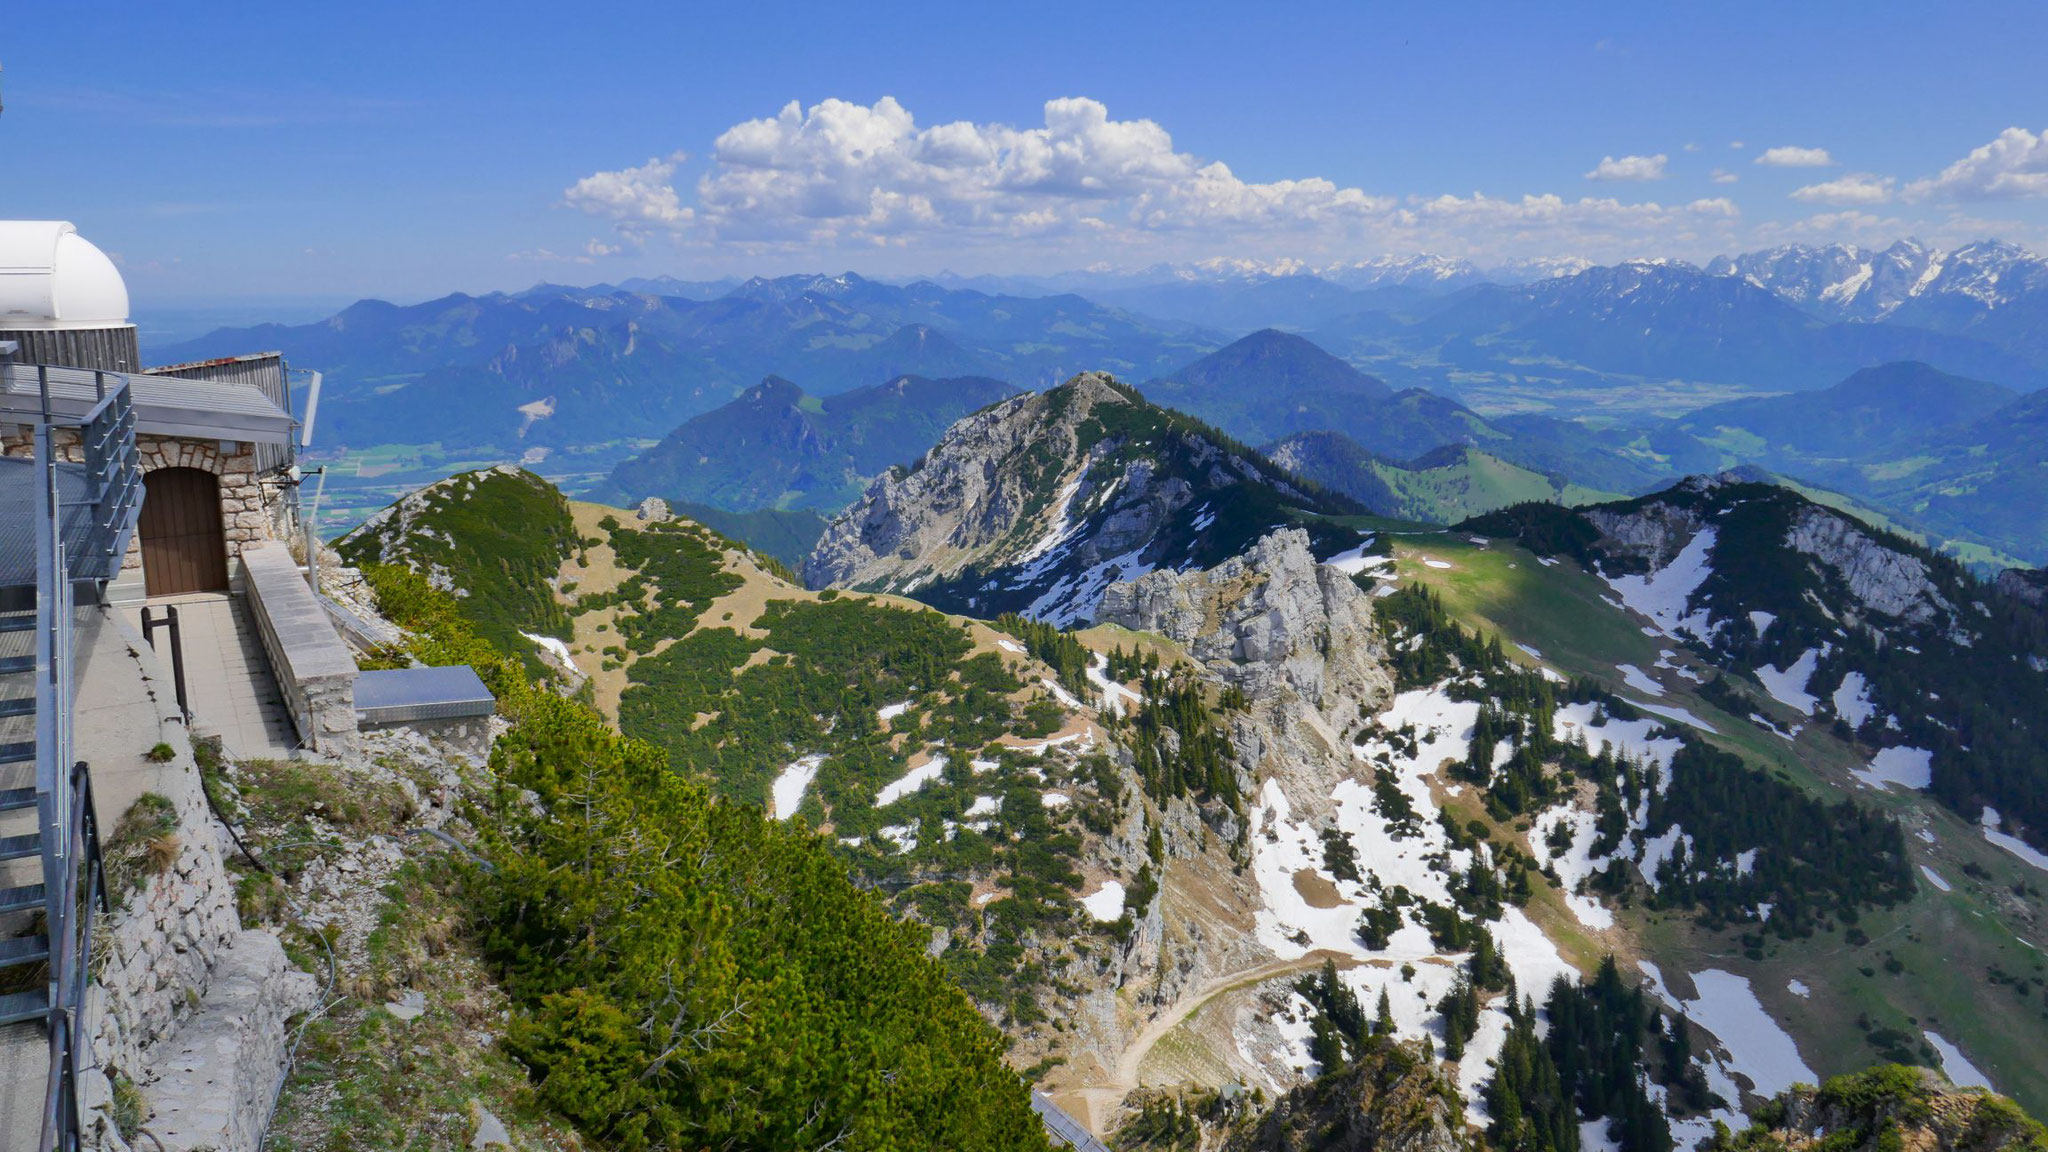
(1723, 176)
(1629, 168)
(1790, 157)
(2013, 165)
(843, 175)
(1856, 188)
(633, 196)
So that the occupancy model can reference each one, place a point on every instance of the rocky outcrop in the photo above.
(1883, 580)
(1270, 620)
(1886, 1108)
(1392, 1099)
(2027, 585)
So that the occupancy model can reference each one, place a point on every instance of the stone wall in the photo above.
(170, 1007)
(315, 670)
(469, 735)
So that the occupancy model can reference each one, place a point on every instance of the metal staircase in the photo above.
(51, 886)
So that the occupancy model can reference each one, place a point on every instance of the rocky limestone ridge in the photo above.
(1881, 579)
(1271, 620)
(1297, 636)
(1038, 503)
(970, 493)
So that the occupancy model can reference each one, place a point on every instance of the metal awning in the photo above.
(397, 695)
(164, 405)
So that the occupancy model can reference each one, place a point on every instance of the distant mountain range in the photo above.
(1593, 376)
(571, 368)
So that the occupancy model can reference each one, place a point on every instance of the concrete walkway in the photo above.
(228, 680)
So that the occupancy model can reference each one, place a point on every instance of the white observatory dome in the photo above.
(52, 278)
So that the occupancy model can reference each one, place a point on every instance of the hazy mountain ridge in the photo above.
(777, 446)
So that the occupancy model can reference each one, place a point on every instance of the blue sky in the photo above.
(234, 150)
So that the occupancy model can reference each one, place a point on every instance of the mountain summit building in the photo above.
(216, 439)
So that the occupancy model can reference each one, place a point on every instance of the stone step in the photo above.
(24, 950)
(19, 706)
(16, 799)
(21, 899)
(9, 665)
(20, 753)
(21, 847)
(20, 1006)
(20, 623)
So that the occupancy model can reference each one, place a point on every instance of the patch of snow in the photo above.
(981, 766)
(1436, 563)
(1009, 645)
(1761, 1050)
(1385, 590)
(1066, 698)
(787, 793)
(1993, 832)
(1745, 861)
(1798, 988)
(1547, 561)
(1073, 598)
(984, 806)
(1761, 621)
(1852, 700)
(1055, 799)
(1934, 878)
(1926, 835)
(888, 712)
(1576, 864)
(1639, 680)
(904, 836)
(1106, 903)
(1529, 650)
(911, 781)
(1593, 1137)
(1352, 561)
(1629, 738)
(1788, 686)
(1911, 768)
(1663, 595)
(1672, 712)
(554, 646)
(1658, 849)
(1116, 697)
(1956, 1066)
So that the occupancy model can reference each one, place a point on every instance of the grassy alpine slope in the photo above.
(746, 992)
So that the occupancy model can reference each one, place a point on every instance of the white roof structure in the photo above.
(51, 278)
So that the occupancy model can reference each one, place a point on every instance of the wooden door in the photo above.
(183, 546)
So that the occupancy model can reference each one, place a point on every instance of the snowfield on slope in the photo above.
(1663, 595)
(1289, 923)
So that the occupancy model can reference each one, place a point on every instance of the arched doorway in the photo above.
(183, 546)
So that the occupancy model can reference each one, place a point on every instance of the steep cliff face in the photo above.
(1271, 619)
(1037, 504)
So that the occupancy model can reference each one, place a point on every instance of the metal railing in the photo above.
(78, 540)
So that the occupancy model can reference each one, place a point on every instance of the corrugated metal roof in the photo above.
(164, 405)
(396, 695)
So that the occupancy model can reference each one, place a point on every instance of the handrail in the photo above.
(73, 882)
